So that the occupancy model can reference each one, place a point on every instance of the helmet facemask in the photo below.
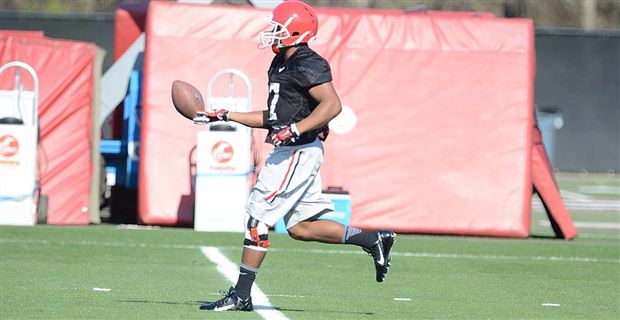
(277, 33)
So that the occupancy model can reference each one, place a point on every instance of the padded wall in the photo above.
(129, 23)
(65, 71)
(443, 104)
(443, 107)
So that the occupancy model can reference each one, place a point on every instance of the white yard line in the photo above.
(268, 295)
(231, 271)
(606, 190)
(326, 251)
(584, 204)
(463, 256)
(587, 225)
(599, 236)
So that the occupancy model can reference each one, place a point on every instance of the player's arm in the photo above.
(328, 108)
(253, 119)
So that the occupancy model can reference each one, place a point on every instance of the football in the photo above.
(187, 99)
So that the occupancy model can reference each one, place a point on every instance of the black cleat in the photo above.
(381, 253)
(230, 302)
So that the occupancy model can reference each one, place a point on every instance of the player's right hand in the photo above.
(213, 116)
(285, 135)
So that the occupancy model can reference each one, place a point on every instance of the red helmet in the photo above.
(293, 22)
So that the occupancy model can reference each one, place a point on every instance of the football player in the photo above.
(302, 101)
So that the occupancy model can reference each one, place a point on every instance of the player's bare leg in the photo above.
(326, 231)
(252, 258)
(378, 244)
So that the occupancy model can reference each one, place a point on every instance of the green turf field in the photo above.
(60, 272)
(52, 272)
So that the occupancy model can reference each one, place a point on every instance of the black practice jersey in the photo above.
(289, 81)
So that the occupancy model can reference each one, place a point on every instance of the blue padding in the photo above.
(116, 152)
(132, 113)
(111, 147)
(341, 213)
(18, 197)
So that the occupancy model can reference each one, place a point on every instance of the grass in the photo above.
(592, 185)
(50, 271)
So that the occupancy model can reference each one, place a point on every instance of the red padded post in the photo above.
(547, 189)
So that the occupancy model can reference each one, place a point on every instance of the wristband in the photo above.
(294, 129)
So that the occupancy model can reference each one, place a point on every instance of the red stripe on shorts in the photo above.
(290, 165)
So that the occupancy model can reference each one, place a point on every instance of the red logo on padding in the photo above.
(222, 152)
(9, 146)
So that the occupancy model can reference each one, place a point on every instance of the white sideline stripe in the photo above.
(323, 251)
(598, 236)
(599, 205)
(285, 295)
(464, 256)
(587, 225)
(599, 190)
(268, 295)
(231, 271)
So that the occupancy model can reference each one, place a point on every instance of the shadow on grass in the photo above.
(260, 307)
(158, 302)
(256, 307)
(320, 311)
(316, 311)
(546, 237)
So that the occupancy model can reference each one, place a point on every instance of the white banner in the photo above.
(222, 168)
(17, 174)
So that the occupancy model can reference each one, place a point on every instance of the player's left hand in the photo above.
(213, 116)
(286, 135)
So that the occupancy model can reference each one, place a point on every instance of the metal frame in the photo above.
(231, 84)
(33, 74)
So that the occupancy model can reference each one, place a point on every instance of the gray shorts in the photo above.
(289, 186)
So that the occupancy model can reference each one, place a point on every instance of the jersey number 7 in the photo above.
(275, 88)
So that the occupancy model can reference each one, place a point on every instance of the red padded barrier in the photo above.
(547, 189)
(21, 33)
(129, 23)
(65, 71)
(443, 109)
(443, 105)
